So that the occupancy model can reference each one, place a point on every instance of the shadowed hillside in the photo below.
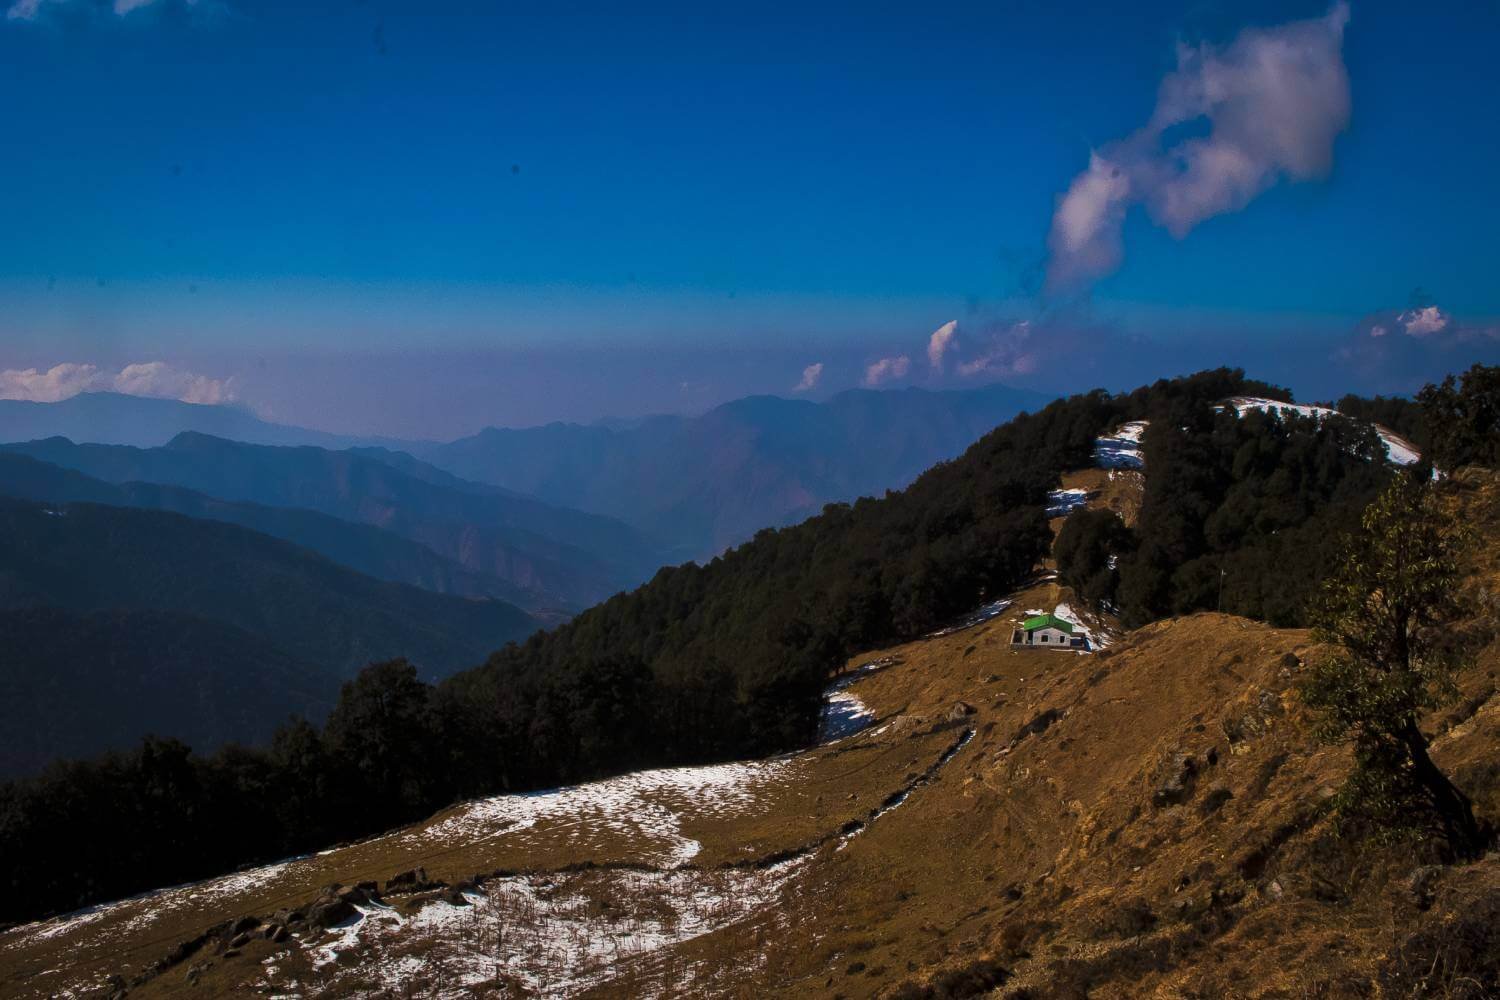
(88, 557)
(66, 677)
(370, 550)
(560, 558)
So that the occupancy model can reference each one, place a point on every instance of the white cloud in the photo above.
(1273, 100)
(1377, 330)
(1423, 322)
(155, 379)
(27, 10)
(886, 369)
(162, 381)
(58, 382)
(943, 338)
(810, 376)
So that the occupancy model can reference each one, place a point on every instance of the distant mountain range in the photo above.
(554, 559)
(113, 418)
(691, 486)
(370, 550)
(706, 483)
(140, 620)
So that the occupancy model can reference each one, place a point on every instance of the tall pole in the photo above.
(1221, 590)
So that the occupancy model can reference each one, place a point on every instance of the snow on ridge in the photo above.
(1121, 449)
(1397, 449)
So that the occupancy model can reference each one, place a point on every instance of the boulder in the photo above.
(960, 710)
(1176, 784)
(325, 913)
(407, 881)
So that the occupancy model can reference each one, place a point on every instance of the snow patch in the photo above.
(1098, 637)
(550, 935)
(1063, 502)
(978, 617)
(1121, 449)
(1397, 449)
(642, 807)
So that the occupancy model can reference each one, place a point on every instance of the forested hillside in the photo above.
(88, 557)
(368, 549)
(77, 685)
(1245, 510)
(562, 559)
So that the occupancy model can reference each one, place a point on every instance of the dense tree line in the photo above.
(1240, 513)
(1247, 513)
(1464, 418)
(1397, 413)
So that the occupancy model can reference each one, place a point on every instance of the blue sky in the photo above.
(664, 208)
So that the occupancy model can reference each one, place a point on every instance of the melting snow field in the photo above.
(549, 935)
(558, 935)
(642, 807)
(1063, 502)
(152, 907)
(843, 713)
(1122, 448)
(1397, 449)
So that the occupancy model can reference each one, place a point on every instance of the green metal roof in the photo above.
(1047, 621)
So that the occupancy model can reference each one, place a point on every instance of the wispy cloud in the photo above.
(810, 376)
(942, 339)
(886, 369)
(1012, 351)
(1273, 101)
(155, 379)
(28, 10)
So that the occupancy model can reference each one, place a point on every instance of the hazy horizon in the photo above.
(377, 221)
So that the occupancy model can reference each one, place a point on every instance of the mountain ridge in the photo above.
(711, 481)
(365, 548)
(517, 539)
